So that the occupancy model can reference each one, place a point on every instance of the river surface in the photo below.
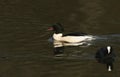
(25, 50)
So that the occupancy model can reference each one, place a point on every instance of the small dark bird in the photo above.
(106, 56)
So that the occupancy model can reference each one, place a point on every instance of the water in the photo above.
(24, 47)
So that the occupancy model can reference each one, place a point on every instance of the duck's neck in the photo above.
(57, 36)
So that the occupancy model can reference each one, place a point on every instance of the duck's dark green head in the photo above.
(57, 28)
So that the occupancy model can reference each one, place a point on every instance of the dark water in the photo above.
(24, 47)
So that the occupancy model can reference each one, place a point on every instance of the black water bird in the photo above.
(106, 56)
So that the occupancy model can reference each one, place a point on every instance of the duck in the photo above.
(105, 55)
(71, 39)
(76, 37)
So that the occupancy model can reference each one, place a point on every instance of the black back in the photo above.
(76, 34)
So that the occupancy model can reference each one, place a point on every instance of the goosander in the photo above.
(106, 56)
(72, 39)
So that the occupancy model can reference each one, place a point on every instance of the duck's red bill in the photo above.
(51, 28)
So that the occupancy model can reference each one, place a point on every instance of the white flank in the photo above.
(72, 39)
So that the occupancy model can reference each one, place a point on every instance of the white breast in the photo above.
(57, 36)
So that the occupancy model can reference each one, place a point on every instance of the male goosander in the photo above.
(106, 56)
(71, 39)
